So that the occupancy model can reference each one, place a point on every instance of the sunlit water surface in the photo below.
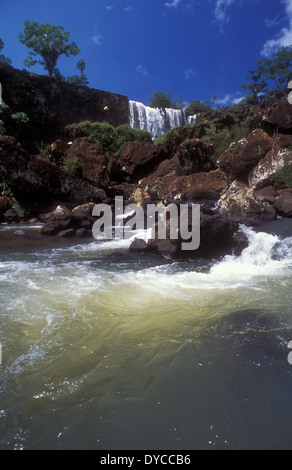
(104, 349)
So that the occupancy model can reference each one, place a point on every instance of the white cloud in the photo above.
(284, 38)
(229, 99)
(97, 39)
(174, 3)
(129, 8)
(140, 69)
(189, 73)
(220, 10)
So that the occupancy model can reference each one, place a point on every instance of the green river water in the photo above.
(105, 349)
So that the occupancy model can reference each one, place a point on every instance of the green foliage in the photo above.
(222, 138)
(2, 127)
(110, 138)
(160, 99)
(76, 80)
(170, 137)
(47, 41)
(3, 59)
(283, 178)
(271, 76)
(20, 117)
(19, 210)
(72, 165)
(197, 106)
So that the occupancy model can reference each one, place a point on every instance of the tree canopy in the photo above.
(160, 99)
(47, 41)
(271, 76)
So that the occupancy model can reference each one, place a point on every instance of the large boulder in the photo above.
(94, 164)
(283, 203)
(138, 159)
(66, 222)
(278, 117)
(206, 185)
(267, 167)
(242, 156)
(216, 239)
(194, 156)
(243, 205)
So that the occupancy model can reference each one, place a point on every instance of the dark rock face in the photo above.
(138, 158)
(243, 205)
(238, 160)
(283, 203)
(65, 222)
(51, 104)
(216, 239)
(33, 178)
(195, 156)
(193, 187)
(94, 164)
(278, 117)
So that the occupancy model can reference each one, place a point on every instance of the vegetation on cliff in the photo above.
(47, 41)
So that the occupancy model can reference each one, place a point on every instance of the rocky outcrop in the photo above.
(51, 104)
(242, 156)
(278, 117)
(94, 164)
(243, 205)
(268, 167)
(139, 158)
(194, 156)
(34, 179)
(195, 187)
(64, 222)
(283, 203)
(216, 239)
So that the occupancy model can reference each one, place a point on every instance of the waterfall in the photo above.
(155, 120)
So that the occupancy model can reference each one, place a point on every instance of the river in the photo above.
(106, 349)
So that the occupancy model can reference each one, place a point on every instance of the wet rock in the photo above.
(19, 233)
(66, 233)
(139, 246)
(63, 218)
(216, 239)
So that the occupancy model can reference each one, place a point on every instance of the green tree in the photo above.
(47, 41)
(3, 59)
(271, 76)
(160, 99)
(81, 66)
(197, 106)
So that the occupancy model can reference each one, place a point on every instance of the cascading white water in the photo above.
(155, 120)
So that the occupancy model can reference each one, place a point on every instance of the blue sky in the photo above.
(193, 49)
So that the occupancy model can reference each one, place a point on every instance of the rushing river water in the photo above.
(103, 349)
